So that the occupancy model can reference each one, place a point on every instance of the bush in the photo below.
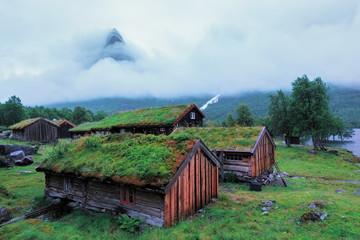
(92, 142)
(230, 177)
(129, 224)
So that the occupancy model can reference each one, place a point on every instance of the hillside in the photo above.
(345, 102)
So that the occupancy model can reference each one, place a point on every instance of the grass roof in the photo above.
(225, 138)
(126, 158)
(84, 127)
(27, 122)
(147, 116)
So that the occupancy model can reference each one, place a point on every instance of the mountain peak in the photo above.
(114, 37)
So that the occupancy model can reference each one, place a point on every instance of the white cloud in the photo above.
(183, 48)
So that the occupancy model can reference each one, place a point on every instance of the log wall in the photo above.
(40, 131)
(240, 167)
(97, 196)
(196, 186)
(261, 160)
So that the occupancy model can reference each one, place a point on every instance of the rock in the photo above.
(6, 149)
(317, 205)
(334, 152)
(339, 190)
(285, 174)
(347, 160)
(25, 172)
(25, 161)
(265, 213)
(5, 162)
(5, 135)
(5, 214)
(313, 215)
(312, 151)
(17, 155)
(357, 192)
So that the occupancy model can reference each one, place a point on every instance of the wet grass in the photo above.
(232, 216)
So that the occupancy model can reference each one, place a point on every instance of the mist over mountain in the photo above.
(344, 102)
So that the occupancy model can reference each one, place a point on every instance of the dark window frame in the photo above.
(192, 115)
(68, 184)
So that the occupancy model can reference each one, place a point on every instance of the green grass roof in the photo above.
(147, 116)
(83, 127)
(225, 138)
(126, 158)
(27, 122)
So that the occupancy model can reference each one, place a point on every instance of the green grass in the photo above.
(148, 116)
(231, 138)
(135, 159)
(232, 216)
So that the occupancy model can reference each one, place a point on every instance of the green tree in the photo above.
(310, 108)
(81, 115)
(280, 117)
(12, 111)
(245, 116)
(100, 115)
(230, 121)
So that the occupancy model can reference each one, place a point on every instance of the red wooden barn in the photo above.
(64, 127)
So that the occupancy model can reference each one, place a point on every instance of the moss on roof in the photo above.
(225, 138)
(84, 127)
(147, 116)
(132, 159)
(27, 122)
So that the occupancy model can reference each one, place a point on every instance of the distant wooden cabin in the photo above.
(245, 151)
(64, 127)
(35, 130)
(152, 120)
(159, 179)
(292, 139)
(82, 129)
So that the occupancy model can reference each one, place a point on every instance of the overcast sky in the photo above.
(180, 47)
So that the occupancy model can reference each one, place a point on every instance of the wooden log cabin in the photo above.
(245, 151)
(152, 120)
(35, 130)
(160, 179)
(64, 127)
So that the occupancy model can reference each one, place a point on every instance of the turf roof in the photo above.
(145, 117)
(126, 158)
(27, 122)
(225, 138)
(83, 127)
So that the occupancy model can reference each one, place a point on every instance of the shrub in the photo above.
(129, 224)
(92, 142)
(230, 177)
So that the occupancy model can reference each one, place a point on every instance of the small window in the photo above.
(233, 157)
(192, 115)
(127, 195)
(162, 129)
(122, 130)
(68, 185)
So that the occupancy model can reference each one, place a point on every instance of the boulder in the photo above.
(17, 155)
(5, 162)
(5, 135)
(334, 152)
(27, 160)
(317, 205)
(5, 214)
(340, 190)
(357, 192)
(6, 149)
(313, 215)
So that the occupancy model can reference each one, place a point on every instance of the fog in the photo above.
(53, 51)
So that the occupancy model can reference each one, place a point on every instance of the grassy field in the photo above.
(234, 215)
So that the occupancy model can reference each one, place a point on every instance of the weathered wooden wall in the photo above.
(196, 186)
(240, 167)
(261, 160)
(97, 195)
(40, 131)
(64, 130)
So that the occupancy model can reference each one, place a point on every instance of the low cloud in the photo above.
(51, 53)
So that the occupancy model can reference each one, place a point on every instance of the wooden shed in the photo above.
(152, 120)
(35, 130)
(158, 178)
(64, 127)
(246, 151)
